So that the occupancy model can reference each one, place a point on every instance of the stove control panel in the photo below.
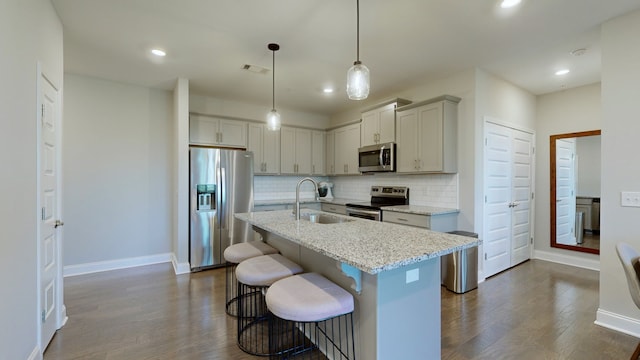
(390, 191)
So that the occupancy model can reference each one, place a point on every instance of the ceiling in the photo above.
(403, 42)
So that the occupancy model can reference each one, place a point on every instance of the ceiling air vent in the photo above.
(255, 69)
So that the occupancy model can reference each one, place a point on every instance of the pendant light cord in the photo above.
(273, 82)
(358, 31)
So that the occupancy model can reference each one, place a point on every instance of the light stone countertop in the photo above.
(369, 246)
(420, 210)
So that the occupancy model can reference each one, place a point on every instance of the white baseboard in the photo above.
(617, 322)
(63, 316)
(80, 269)
(567, 260)
(36, 354)
(180, 268)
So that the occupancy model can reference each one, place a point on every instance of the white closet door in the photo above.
(508, 170)
(497, 212)
(522, 156)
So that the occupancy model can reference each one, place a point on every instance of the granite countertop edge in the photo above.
(420, 209)
(365, 252)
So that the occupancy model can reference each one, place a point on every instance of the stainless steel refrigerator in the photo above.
(221, 184)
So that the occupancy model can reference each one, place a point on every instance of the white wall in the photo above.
(620, 126)
(118, 170)
(567, 111)
(240, 110)
(30, 31)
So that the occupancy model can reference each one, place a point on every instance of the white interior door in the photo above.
(508, 168)
(497, 212)
(522, 156)
(50, 267)
(565, 191)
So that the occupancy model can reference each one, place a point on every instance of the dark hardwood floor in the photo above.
(537, 310)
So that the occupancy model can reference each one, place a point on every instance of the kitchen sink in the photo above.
(323, 219)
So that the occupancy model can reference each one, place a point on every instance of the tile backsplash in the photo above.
(440, 190)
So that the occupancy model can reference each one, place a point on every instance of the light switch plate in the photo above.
(630, 198)
(413, 275)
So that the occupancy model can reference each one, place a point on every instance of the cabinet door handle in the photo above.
(402, 219)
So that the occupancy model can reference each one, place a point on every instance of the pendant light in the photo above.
(358, 74)
(273, 118)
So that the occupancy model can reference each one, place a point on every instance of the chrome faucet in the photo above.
(297, 208)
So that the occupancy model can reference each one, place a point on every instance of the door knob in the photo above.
(58, 223)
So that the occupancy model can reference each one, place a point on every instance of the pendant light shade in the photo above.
(273, 118)
(358, 74)
(358, 81)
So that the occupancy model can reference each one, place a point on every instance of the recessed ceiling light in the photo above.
(509, 3)
(158, 52)
(327, 90)
(562, 72)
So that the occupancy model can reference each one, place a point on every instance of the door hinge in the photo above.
(485, 256)
(533, 150)
(42, 214)
(42, 110)
(532, 196)
(43, 316)
(485, 199)
(532, 240)
(485, 141)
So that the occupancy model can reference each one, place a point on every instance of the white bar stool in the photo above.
(234, 255)
(254, 276)
(311, 318)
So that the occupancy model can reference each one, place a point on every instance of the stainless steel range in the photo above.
(380, 196)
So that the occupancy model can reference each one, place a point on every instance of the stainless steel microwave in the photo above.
(377, 158)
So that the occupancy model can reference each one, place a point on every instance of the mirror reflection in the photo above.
(575, 191)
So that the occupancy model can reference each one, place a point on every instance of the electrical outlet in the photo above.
(630, 198)
(413, 275)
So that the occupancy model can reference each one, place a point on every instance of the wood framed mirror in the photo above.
(575, 191)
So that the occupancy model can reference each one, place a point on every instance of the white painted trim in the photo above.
(36, 354)
(63, 317)
(88, 268)
(508, 124)
(180, 268)
(617, 322)
(567, 260)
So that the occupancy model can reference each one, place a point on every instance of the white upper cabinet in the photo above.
(265, 145)
(318, 152)
(347, 142)
(427, 135)
(330, 146)
(211, 130)
(295, 150)
(379, 123)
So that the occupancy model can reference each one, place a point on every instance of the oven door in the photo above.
(364, 214)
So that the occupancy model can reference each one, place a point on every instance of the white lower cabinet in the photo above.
(440, 222)
(334, 208)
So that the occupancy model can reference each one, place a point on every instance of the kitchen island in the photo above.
(393, 272)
